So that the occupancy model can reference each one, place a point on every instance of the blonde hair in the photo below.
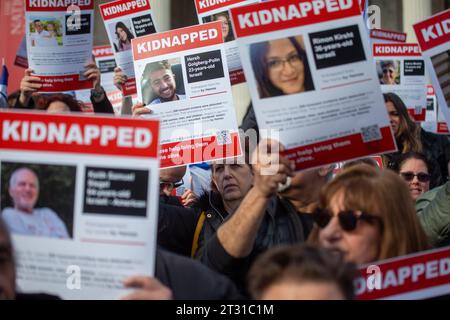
(384, 194)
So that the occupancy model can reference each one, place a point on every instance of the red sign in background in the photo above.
(12, 24)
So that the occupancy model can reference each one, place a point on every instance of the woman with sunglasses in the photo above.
(413, 167)
(433, 207)
(410, 137)
(367, 214)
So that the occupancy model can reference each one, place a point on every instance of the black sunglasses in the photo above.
(348, 219)
(421, 176)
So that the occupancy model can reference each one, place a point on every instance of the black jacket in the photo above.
(176, 226)
(282, 224)
(190, 280)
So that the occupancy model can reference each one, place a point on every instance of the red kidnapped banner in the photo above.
(177, 40)
(434, 31)
(120, 8)
(388, 35)
(79, 134)
(103, 51)
(396, 49)
(203, 6)
(279, 15)
(419, 276)
(57, 5)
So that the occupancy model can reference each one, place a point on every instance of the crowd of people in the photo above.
(244, 236)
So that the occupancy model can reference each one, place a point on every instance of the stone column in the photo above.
(161, 14)
(413, 12)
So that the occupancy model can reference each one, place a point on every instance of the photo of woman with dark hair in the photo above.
(281, 67)
(227, 29)
(124, 37)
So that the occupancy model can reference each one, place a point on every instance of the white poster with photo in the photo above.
(433, 35)
(104, 58)
(79, 195)
(312, 79)
(208, 11)
(59, 42)
(401, 70)
(124, 21)
(182, 76)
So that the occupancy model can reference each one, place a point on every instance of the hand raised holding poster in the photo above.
(125, 20)
(312, 79)
(57, 52)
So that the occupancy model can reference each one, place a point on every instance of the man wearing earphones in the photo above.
(243, 216)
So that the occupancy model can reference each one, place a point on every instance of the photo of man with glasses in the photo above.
(390, 74)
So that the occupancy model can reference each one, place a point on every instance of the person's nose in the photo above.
(332, 233)
(164, 85)
(415, 180)
(227, 172)
(288, 69)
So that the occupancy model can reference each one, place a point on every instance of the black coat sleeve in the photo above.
(103, 106)
(190, 280)
(176, 228)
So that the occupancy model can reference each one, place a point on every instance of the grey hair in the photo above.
(389, 63)
(13, 178)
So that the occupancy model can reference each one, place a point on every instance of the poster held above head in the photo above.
(104, 58)
(312, 80)
(182, 76)
(433, 35)
(92, 200)
(125, 20)
(220, 11)
(401, 70)
(57, 51)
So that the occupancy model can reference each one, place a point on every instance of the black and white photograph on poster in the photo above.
(122, 33)
(38, 199)
(45, 31)
(441, 64)
(162, 81)
(227, 27)
(389, 72)
(281, 67)
(204, 66)
(119, 192)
